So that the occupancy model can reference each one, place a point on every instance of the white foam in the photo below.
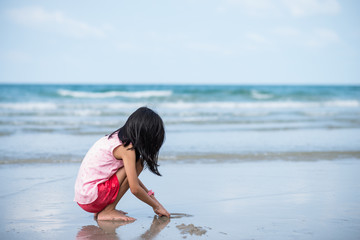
(259, 105)
(98, 109)
(342, 103)
(111, 94)
(260, 96)
(28, 106)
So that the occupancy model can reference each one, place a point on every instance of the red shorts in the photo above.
(107, 193)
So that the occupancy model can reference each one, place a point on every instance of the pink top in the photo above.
(98, 165)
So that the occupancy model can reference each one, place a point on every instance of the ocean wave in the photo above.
(99, 108)
(112, 94)
(28, 106)
(260, 95)
(262, 105)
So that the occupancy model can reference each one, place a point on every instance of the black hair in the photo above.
(144, 129)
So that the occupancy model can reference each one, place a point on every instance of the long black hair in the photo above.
(145, 130)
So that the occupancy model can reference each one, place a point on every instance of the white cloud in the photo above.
(300, 8)
(54, 21)
(297, 8)
(128, 47)
(210, 48)
(256, 7)
(287, 31)
(257, 38)
(322, 37)
(251, 4)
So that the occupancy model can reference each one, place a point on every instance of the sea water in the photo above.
(58, 123)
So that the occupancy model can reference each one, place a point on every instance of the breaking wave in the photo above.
(112, 94)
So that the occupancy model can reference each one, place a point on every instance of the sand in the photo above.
(247, 200)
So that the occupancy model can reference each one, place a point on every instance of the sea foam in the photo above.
(28, 106)
(200, 106)
(260, 95)
(262, 105)
(112, 94)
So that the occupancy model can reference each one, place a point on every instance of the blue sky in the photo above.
(187, 41)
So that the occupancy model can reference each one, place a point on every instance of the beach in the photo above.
(259, 101)
(59, 123)
(238, 162)
(248, 200)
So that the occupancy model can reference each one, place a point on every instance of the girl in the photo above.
(114, 162)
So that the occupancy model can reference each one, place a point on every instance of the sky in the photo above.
(180, 42)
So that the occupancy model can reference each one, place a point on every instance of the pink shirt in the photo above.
(98, 165)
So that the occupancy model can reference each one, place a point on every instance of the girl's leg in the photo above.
(109, 212)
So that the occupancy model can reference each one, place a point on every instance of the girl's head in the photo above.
(145, 130)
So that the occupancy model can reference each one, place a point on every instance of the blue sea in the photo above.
(211, 123)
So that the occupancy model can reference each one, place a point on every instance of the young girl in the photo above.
(114, 162)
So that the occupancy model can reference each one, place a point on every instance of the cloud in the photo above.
(54, 21)
(209, 48)
(322, 37)
(251, 4)
(128, 47)
(255, 7)
(318, 37)
(296, 8)
(257, 38)
(287, 31)
(300, 8)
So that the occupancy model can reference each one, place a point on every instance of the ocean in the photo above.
(208, 123)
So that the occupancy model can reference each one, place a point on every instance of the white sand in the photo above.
(249, 200)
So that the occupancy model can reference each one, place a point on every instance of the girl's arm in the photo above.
(136, 187)
(161, 211)
(152, 196)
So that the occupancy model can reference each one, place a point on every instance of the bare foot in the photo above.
(96, 214)
(113, 215)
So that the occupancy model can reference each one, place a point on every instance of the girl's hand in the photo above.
(161, 211)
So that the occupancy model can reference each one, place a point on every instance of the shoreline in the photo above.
(246, 200)
(214, 157)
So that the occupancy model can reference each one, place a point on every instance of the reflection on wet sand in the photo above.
(107, 230)
(158, 224)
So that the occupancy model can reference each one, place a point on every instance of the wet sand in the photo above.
(247, 200)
